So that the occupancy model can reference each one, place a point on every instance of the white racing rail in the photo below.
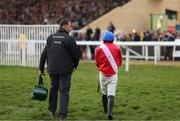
(155, 44)
(27, 53)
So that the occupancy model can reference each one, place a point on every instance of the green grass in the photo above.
(147, 92)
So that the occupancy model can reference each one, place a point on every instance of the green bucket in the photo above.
(40, 92)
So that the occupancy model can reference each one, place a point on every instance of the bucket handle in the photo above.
(40, 83)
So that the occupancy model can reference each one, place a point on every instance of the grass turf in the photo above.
(147, 92)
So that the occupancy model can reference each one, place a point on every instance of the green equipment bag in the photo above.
(40, 92)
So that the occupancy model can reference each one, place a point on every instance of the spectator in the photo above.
(89, 35)
(171, 37)
(111, 27)
(83, 48)
(136, 37)
(97, 34)
(147, 36)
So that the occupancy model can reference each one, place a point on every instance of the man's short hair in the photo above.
(64, 22)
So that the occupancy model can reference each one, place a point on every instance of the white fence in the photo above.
(18, 53)
(32, 32)
(27, 53)
(144, 46)
(25, 50)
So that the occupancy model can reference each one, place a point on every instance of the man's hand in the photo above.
(41, 73)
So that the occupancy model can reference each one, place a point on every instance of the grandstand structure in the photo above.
(137, 14)
(81, 12)
(125, 14)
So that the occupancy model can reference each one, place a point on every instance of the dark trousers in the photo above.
(168, 53)
(61, 83)
(92, 50)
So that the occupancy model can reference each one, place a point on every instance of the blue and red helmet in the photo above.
(108, 36)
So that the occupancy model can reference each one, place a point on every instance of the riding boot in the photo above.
(104, 102)
(110, 105)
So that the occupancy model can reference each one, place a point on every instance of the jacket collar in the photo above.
(63, 30)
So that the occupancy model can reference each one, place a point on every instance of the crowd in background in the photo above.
(151, 36)
(146, 36)
(81, 12)
(95, 35)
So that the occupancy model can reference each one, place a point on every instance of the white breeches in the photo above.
(108, 84)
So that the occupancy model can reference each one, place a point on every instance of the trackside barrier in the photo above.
(27, 53)
(155, 44)
(176, 53)
(31, 32)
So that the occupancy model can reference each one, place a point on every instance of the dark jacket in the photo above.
(61, 53)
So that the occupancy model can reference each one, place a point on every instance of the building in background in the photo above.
(141, 15)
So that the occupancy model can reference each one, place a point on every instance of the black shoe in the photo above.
(62, 118)
(110, 117)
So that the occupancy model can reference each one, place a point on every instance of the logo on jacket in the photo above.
(58, 37)
(57, 42)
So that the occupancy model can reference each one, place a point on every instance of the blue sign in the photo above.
(178, 28)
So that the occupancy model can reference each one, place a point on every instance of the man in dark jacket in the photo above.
(62, 55)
